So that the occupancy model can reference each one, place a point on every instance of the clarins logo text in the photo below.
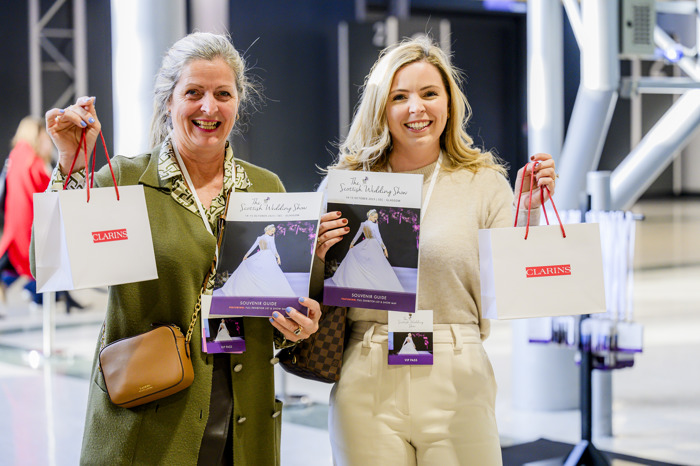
(548, 270)
(109, 235)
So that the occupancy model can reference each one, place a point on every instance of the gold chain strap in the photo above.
(198, 305)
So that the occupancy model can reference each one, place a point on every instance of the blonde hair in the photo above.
(195, 46)
(29, 130)
(368, 142)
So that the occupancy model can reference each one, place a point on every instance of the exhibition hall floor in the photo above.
(656, 403)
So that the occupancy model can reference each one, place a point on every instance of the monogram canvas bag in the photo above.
(319, 357)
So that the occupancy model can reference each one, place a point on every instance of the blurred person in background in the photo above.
(27, 172)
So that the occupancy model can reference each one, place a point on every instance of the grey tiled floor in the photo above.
(656, 404)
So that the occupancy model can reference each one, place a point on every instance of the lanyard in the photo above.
(186, 174)
(431, 186)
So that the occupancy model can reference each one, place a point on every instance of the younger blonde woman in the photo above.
(412, 119)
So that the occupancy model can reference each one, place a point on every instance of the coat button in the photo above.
(241, 420)
(274, 360)
(238, 368)
(276, 414)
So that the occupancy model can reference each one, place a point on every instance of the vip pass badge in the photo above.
(410, 338)
(221, 334)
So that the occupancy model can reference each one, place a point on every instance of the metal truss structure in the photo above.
(46, 58)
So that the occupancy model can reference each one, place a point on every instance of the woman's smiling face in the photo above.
(417, 109)
(204, 107)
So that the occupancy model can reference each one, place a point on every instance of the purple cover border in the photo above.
(236, 346)
(254, 306)
(413, 359)
(381, 300)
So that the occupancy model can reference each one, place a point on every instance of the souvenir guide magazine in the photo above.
(375, 266)
(266, 254)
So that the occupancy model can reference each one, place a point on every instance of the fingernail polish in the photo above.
(338, 214)
(62, 110)
(271, 319)
(275, 314)
(346, 228)
(301, 300)
(83, 124)
(91, 120)
(289, 310)
(345, 221)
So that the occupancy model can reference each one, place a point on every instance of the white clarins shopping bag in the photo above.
(542, 271)
(543, 275)
(81, 244)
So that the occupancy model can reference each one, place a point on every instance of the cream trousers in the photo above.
(415, 415)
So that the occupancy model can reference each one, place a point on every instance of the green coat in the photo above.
(169, 431)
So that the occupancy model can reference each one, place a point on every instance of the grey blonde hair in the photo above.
(269, 227)
(195, 46)
(371, 212)
(368, 142)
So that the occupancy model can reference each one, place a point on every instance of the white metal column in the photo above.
(595, 102)
(210, 16)
(141, 34)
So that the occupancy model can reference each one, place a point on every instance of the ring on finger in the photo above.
(297, 332)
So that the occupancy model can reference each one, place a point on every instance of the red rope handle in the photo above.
(561, 225)
(75, 157)
(542, 201)
(90, 171)
(546, 219)
(109, 162)
(87, 185)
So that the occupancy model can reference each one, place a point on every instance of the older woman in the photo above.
(229, 414)
(412, 119)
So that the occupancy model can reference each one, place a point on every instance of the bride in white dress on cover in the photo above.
(408, 347)
(259, 275)
(222, 334)
(365, 266)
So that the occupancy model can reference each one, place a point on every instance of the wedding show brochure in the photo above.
(222, 334)
(266, 254)
(411, 338)
(375, 266)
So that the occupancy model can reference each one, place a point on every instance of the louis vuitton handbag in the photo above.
(319, 357)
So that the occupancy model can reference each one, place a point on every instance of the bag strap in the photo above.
(91, 176)
(542, 201)
(212, 270)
